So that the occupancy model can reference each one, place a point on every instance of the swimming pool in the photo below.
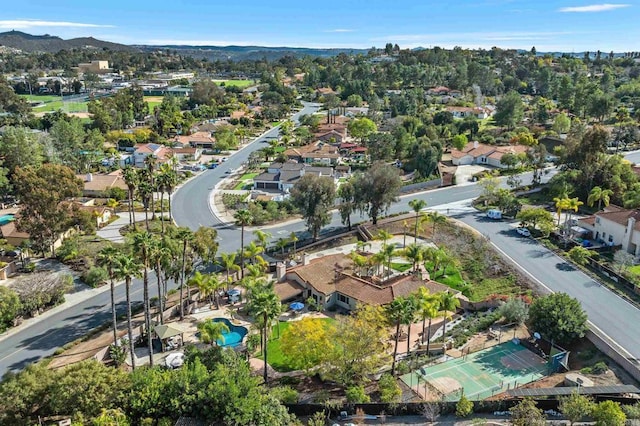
(235, 335)
(4, 219)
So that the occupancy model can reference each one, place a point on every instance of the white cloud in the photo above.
(593, 8)
(23, 24)
(339, 30)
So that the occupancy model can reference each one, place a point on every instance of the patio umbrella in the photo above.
(233, 292)
(174, 360)
(297, 306)
(169, 330)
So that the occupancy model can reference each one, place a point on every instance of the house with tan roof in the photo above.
(483, 154)
(201, 139)
(161, 153)
(283, 176)
(332, 282)
(318, 153)
(99, 184)
(615, 226)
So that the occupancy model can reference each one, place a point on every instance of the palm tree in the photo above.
(262, 237)
(359, 261)
(160, 255)
(212, 331)
(252, 251)
(228, 262)
(388, 251)
(146, 195)
(428, 307)
(602, 196)
(169, 179)
(150, 162)
(264, 306)
(107, 258)
(293, 238)
(185, 236)
(282, 244)
(561, 204)
(448, 303)
(384, 236)
(417, 205)
(436, 219)
(572, 205)
(243, 218)
(414, 253)
(132, 180)
(216, 285)
(203, 283)
(125, 269)
(143, 243)
(397, 313)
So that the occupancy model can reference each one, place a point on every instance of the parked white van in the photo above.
(494, 214)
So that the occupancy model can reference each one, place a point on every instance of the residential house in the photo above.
(160, 152)
(332, 283)
(615, 226)
(201, 139)
(282, 176)
(438, 91)
(482, 154)
(187, 153)
(323, 91)
(319, 153)
(332, 136)
(101, 214)
(98, 184)
(464, 112)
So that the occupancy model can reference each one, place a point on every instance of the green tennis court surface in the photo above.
(481, 374)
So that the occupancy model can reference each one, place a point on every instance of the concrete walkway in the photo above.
(111, 232)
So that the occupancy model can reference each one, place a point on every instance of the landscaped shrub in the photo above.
(9, 307)
(389, 389)
(464, 407)
(357, 395)
(41, 290)
(95, 277)
(285, 394)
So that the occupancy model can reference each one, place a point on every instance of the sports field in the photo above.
(481, 374)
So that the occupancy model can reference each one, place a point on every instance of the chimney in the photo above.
(305, 259)
(89, 177)
(475, 144)
(281, 271)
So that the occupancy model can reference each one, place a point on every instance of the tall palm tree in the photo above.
(561, 204)
(160, 256)
(281, 244)
(169, 178)
(428, 307)
(203, 283)
(160, 185)
(216, 285)
(107, 258)
(293, 238)
(359, 261)
(125, 269)
(417, 205)
(145, 190)
(150, 162)
(264, 306)
(228, 262)
(388, 251)
(436, 219)
(132, 180)
(384, 236)
(602, 196)
(252, 250)
(262, 237)
(143, 245)
(185, 236)
(448, 303)
(573, 205)
(212, 331)
(413, 253)
(243, 218)
(397, 313)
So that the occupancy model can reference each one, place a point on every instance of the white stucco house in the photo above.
(615, 226)
(481, 154)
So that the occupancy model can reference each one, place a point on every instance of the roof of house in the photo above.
(288, 289)
(10, 230)
(476, 149)
(102, 182)
(620, 216)
(201, 137)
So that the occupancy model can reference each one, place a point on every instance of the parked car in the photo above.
(223, 159)
(213, 165)
(524, 232)
(494, 214)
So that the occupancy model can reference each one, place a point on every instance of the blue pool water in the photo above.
(4, 219)
(235, 335)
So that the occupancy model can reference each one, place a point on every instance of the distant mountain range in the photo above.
(48, 43)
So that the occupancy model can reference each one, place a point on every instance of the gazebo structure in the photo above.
(167, 331)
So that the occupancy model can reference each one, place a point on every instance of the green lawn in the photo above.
(635, 269)
(400, 267)
(245, 180)
(275, 356)
(237, 83)
(41, 98)
(489, 286)
(451, 277)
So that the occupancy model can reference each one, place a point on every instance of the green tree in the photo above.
(132, 180)
(9, 307)
(509, 110)
(417, 205)
(228, 262)
(185, 236)
(307, 344)
(436, 219)
(608, 413)
(205, 245)
(390, 391)
(126, 269)
(108, 259)
(377, 189)
(428, 308)
(314, 196)
(515, 310)
(20, 147)
(242, 218)
(361, 128)
(142, 243)
(42, 191)
(602, 196)
(459, 142)
(448, 303)
(357, 395)
(558, 317)
(526, 413)
(212, 331)
(264, 306)
(464, 407)
(575, 407)
(68, 138)
(400, 311)
(579, 255)
(561, 124)
(536, 217)
(348, 202)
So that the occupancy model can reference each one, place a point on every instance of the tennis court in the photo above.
(481, 374)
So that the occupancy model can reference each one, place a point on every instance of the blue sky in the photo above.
(562, 25)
